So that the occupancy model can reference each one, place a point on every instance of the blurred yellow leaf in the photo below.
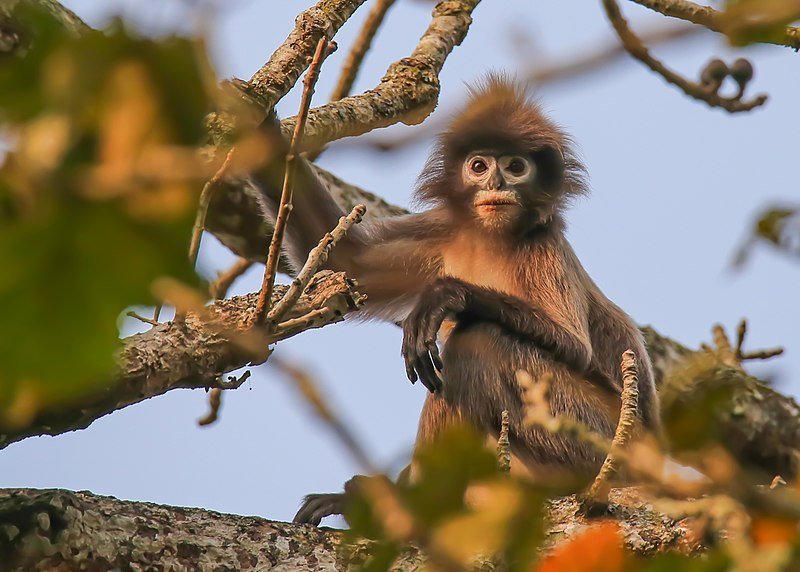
(484, 530)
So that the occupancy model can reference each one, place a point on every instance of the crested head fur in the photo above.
(499, 115)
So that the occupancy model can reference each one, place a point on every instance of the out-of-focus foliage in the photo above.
(97, 196)
(777, 226)
(748, 21)
(461, 504)
(466, 514)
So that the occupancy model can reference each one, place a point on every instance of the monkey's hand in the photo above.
(443, 298)
(468, 302)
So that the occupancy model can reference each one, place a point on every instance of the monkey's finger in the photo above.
(435, 357)
(427, 373)
(411, 374)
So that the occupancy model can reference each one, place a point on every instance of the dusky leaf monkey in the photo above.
(489, 256)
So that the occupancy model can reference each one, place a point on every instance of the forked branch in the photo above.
(706, 91)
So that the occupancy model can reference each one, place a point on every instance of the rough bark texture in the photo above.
(62, 530)
(408, 92)
(192, 354)
(282, 70)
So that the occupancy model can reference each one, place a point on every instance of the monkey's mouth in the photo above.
(494, 203)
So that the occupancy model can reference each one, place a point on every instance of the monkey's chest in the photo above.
(539, 280)
(478, 265)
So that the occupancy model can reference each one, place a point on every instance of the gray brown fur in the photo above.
(400, 264)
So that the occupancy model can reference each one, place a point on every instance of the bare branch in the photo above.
(504, 445)
(316, 259)
(308, 388)
(710, 18)
(219, 287)
(638, 50)
(265, 295)
(290, 60)
(190, 354)
(361, 46)
(598, 492)
(408, 92)
(214, 404)
(202, 208)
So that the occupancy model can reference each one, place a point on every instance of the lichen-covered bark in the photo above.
(759, 426)
(408, 92)
(280, 73)
(63, 530)
(193, 353)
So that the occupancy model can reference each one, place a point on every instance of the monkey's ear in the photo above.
(551, 167)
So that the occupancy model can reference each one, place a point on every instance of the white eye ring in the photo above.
(515, 166)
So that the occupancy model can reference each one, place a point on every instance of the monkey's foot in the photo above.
(318, 506)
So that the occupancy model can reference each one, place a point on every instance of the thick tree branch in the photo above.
(195, 353)
(711, 19)
(408, 92)
(290, 60)
(360, 48)
(57, 529)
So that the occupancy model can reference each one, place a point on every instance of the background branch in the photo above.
(710, 18)
(635, 47)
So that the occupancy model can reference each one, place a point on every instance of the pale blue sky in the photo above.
(675, 187)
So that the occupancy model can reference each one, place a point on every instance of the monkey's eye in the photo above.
(478, 166)
(516, 166)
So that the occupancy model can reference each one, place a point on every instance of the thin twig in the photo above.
(214, 403)
(285, 208)
(361, 46)
(219, 287)
(309, 390)
(202, 207)
(233, 381)
(636, 48)
(316, 258)
(141, 318)
(741, 332)
(762, 354)
(711, 19)
(503, 445)
(598, 492)
(537, 412)
(304, 322)
(734, 357)
(724, 349)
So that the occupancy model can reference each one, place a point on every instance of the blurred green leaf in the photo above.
(777, 226)
(748, 21)
(692, 421)
(716, 561)
(445, 469)
(97, 196)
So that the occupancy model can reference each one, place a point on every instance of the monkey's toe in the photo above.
(317, 506)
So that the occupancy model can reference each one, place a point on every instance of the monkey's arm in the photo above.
(468, 302)
(392, 259)
(612, 333)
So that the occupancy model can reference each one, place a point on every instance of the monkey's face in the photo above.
(499, 184)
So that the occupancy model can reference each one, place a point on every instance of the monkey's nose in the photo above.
(496, 182)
